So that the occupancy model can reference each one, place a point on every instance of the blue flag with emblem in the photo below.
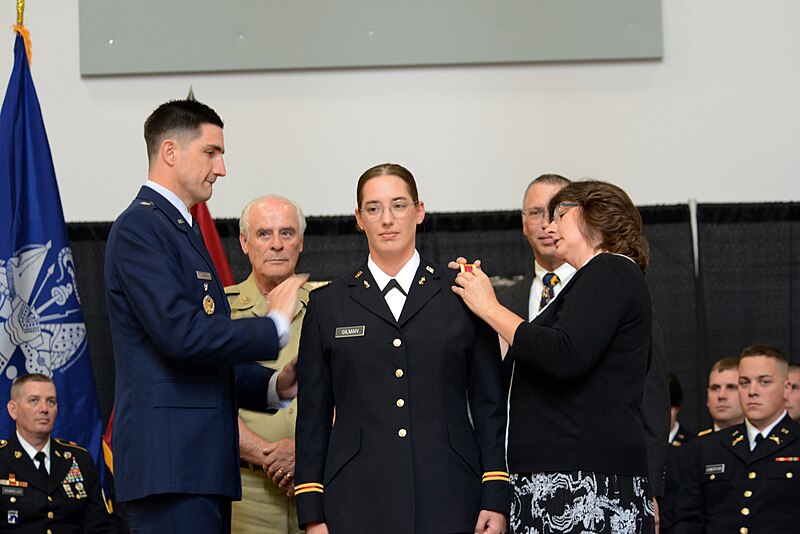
(41, 324)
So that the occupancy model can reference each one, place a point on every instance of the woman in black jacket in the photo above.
(576, 444)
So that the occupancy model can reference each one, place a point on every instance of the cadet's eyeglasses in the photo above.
(374, 210)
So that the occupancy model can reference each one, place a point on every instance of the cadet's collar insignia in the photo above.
(181, 221)
(203, 275)
(67, 455)
(784, 430)
(146, 203)
(359, 273)
(429, 269)
(715, 469)
(676, 443)
(737, 440)
(366, 284)
(244, 299)
(776, 439)
(208, 305)
(12, 481)
(17, 455)
(421, 281)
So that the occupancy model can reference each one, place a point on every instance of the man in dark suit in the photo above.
(175, 424)
(528, 297)
(47, 485)
(746, 478)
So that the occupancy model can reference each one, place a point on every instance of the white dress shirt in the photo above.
(31, 451)
(564, 273)
(405, 277)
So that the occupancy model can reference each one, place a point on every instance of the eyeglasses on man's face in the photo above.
(534, 214)
(561, 209)
(398, 208)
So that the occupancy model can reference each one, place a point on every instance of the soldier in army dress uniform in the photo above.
(46, 485)
(746, 478)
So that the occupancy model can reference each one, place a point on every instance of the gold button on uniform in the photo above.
(745, 511)
(751, 475)
(402, 432)
(400, 403)
(397, 342)
(744, 530)
(398, 373)
(789, 475)
(712, 477)
(13, 499)
(748, 494)
(50, 515)
(49, 531)
(49, 498)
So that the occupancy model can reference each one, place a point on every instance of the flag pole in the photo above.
(22, 30)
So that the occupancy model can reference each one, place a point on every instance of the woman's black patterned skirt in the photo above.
(580, 502)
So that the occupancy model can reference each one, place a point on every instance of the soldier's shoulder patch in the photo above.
(67, 443)
(704, 432)
(233, 290)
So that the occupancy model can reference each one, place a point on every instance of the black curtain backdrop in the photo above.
(746, 292)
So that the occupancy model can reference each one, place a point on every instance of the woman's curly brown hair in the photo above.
(609, 215)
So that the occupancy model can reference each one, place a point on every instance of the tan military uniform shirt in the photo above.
(265, 507)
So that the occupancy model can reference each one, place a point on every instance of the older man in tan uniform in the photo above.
(271, 234)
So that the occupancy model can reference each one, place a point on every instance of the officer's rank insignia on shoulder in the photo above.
(69, 444)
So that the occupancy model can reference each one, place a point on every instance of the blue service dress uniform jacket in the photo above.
(418, 440)
(175, 415)
(725, 488)
(71, 502)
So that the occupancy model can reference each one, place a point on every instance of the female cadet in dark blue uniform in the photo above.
(417, 441)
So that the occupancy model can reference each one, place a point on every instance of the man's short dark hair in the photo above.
(675, 392)
(725, 364)
(180, 119)
(770, 351)
(551, 179)
(20, 381)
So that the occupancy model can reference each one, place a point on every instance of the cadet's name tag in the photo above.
(715, 469)
(203, 275)
(350, 331)
(18, 492)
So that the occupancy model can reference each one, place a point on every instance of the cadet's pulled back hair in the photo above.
(609, 215)
(675, 392)
(725, 364)
(387, 169)
(16, 385)
(550, 179)
(180, 119)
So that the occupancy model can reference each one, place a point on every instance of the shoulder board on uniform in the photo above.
(72, 444)
(3, 443)
(319, 284)
(704, 432)
(232, 290)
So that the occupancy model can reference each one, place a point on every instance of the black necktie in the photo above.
(393, 284)
(759, 439)
(39, 457)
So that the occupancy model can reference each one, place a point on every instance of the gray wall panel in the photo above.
(171, 36)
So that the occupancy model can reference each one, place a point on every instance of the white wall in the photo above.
(718, 120)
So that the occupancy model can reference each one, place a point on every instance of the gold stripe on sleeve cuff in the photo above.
(502, 476)
(308, 488)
